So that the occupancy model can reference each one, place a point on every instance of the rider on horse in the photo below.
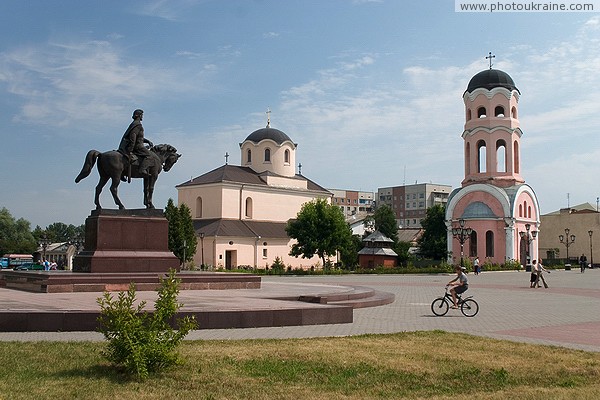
(132, 145)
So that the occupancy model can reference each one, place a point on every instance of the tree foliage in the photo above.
(320, 229)
(182, 236)
(434, 241)
(15, 234)
(139, 341)
(384, 220)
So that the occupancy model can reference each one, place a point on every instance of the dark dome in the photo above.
(268, 133)
(491, 78)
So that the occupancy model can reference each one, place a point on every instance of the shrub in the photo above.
(139, 341)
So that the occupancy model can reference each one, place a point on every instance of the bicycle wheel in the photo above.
(439, 306)
(469, 308)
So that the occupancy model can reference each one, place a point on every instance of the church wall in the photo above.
(277, 155)
(279, 205)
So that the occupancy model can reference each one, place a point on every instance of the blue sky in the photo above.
(370, 90)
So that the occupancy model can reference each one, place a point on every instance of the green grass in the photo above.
(416, 365)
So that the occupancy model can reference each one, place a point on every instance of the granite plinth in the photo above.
(126, 241)
(67, 282)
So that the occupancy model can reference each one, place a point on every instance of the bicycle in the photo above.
(468, 306)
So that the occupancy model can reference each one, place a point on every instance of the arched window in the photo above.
(489, 244)
(501, 165)
(286, 156)
(481, 112)
(267, 155)
(513, 112)
(248, 207)
(468, 158)
(520, 210)
(249, 156)
(499, 111)
(516, 157)
(473, 244)
(469, 114)
(529, 212)
(199, 207)
(481, 157)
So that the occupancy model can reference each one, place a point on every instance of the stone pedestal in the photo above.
(128, 241)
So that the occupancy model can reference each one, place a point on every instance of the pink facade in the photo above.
(494, 200)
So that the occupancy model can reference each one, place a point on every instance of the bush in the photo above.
(138, 341)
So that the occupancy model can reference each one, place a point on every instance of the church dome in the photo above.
(491, 78)
(268, 133)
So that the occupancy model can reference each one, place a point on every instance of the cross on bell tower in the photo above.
(490, 56)
(226, 158)
(268, 117)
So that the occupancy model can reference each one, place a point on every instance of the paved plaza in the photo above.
(566, 314)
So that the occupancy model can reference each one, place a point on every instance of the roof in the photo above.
(580, 208)
(491, 78)
(378, 251)
(245, 175)
(268, 133)
(240, 228)
(377, 237)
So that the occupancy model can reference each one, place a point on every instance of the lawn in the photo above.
(424, 365)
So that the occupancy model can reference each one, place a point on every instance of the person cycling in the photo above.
(459, 284)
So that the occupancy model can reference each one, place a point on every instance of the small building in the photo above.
(377, 252)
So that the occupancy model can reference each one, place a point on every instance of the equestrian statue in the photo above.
(133, 159)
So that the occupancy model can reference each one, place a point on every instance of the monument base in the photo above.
(126, 241)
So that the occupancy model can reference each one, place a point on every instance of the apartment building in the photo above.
(353, 203)
(410, 202)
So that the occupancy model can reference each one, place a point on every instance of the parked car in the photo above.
(29, 266)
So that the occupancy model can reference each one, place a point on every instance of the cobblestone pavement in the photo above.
(566, 314)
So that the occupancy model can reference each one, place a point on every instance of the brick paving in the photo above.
(566, 314)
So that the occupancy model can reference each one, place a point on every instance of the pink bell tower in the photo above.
(494, 200)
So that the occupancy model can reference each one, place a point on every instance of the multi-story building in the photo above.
(353, 203)
(410, 202)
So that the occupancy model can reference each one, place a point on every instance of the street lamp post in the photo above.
(591, 232)
(528, 238)
(567, 240)
(44, 242)
(461, 234)
(202, 250)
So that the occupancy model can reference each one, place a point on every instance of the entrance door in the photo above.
(230, 259)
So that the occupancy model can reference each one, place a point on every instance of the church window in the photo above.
(264, 253)
(481, 112)
(501, 156)
(489, 244)
(249, 156)
(199, 207)
(468, 158)
(529, 212)
(520, 210)
(267, 155)
(286, 156)
(248, 208)
(513, 112)
(469, 114)
(516, 157)
(499, 111)
(473, 244)
(481, 157)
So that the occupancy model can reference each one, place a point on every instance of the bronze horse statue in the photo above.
(114, 165)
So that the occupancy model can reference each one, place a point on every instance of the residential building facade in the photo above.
(410, 202)
(352, 203)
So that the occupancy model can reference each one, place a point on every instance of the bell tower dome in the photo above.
(491, 133)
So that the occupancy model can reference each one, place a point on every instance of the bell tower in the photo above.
(491, 133)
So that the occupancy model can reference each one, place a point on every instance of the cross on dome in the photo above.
(268, 117)
(490, 56)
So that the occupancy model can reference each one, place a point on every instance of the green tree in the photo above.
(349, 253)
(60, 232)
(433, 243)
(384, 220)
(182, 236)
(187, 231)
(319, 228)
(15, 235)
